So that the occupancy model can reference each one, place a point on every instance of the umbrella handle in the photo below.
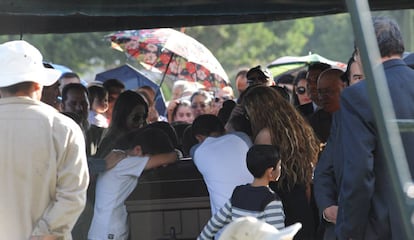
(163, 76)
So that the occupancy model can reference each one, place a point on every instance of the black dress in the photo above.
(299, 206)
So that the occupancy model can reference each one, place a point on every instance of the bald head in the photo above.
(330, 86)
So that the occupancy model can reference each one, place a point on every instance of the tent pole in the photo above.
(379, 96)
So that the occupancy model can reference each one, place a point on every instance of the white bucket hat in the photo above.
(21, 62)
(250, 228)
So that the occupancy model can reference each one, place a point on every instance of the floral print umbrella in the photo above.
(173, 53)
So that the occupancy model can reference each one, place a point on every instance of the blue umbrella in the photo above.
(63, 69)
(133, 79)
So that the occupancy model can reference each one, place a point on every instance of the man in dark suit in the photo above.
(328, 171)
(314, 70)
(329, 87)
(366, 207)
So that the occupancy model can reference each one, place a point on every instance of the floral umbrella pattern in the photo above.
(173, 53)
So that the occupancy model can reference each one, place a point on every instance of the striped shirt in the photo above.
(258, 202)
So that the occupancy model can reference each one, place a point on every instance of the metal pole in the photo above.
(384, 114)
(159, 90)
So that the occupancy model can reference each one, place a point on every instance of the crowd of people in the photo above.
(301, 147)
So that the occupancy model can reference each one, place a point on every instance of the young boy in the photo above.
(144, 148)
(255, 199)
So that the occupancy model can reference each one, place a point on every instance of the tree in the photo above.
(333, 37)
(235, 46)
(78, 51)
(248, 45)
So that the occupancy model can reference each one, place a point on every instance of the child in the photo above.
(98, 105)
(255, 199)
(144, 148)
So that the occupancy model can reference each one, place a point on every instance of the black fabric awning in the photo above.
(66, 16)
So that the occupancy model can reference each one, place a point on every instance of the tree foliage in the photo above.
(235, 46)
(247, 45)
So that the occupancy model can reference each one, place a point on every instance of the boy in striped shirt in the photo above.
(255, 199)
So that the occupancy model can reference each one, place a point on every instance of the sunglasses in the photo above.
(300, 90)
(224, 98)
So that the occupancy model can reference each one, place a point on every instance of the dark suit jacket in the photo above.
(306, 109)
(366, 207)
(327, 177)
(321, 121)
(325, 183)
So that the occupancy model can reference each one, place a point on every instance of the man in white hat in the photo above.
(250, 228)
(43, 168)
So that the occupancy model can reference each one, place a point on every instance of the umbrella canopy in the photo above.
(290, 64)
(173, 53)
(133, 78)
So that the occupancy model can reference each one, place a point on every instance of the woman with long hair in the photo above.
(130, 112)
(275, 121)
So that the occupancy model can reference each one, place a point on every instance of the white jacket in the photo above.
(43, 170)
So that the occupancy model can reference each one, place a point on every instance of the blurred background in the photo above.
(235, 46)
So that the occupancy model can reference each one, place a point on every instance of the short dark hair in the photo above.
(152, 141)
(188, 140)
(263, 75)
(168, 129)
(318, 66)
(261, 157)
(74, 86)
(96, 91)
(69, 75)
(345, 77)
(206, 124)
(225, 111)
(112, 85)
(285, 79)
(239, 123)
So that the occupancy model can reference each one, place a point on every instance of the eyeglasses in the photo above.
(202, 105)
(300, 90)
